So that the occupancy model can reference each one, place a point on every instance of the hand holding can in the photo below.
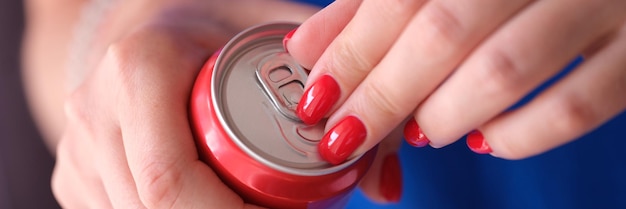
(243, 115)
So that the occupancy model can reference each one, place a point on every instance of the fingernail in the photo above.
(476, 142)
(317, 100)
(287, 37)
(341, 141)
(391, 178)
(413, 134)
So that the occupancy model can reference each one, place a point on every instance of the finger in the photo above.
(581, 102)
(156, 82)
(116, 176)
(431, 46)
(317, 32)
(352, 54)
(525, 52)
(89, 117)
(118, 181)
(383, 181)
(74, 182)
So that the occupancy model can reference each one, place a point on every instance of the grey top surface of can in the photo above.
(256, 86)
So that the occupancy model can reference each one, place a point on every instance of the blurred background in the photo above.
(25, 164)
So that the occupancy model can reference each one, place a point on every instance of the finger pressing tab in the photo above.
(318, 99)
(359, 47)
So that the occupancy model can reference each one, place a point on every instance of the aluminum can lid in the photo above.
(256, 87)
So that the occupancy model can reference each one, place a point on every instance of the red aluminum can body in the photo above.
(250, 163)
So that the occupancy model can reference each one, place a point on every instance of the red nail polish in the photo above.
(317, 100)
(413, 134)
(391, 178)
(287, 37)
(341, 141)
(476, 142)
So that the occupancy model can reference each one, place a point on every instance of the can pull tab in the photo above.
(283, 81)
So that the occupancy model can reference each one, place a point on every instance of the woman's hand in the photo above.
(456, 66)
(127, 141)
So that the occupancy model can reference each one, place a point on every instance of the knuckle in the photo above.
(122, 62)
(147, 56)
(571, 115)
(149, 45)
(442, 28)
(75, 110)
(120, 58)
(567, 118)
(159, 185)
(499, 73)
(83, 112)
(381, 99)
(349, 61)
(398, 7)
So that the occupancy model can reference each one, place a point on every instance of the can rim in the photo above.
(228, 49)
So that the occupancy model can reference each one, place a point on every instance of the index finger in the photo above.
(352, 54)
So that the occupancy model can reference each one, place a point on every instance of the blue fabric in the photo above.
(587, 173)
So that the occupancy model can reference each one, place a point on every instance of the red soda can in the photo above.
(243, 117)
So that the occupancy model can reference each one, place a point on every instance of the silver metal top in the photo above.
(256, 87)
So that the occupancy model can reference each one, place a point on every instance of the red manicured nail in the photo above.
(391, 178)
(476, 142)
(318, 99)
(413, 134)
(341, 141)
(287, 37)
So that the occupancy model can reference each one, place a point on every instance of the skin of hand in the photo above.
(127, 142)
(455, 67)
(49, 26)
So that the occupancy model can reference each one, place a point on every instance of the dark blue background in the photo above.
(587, 173)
